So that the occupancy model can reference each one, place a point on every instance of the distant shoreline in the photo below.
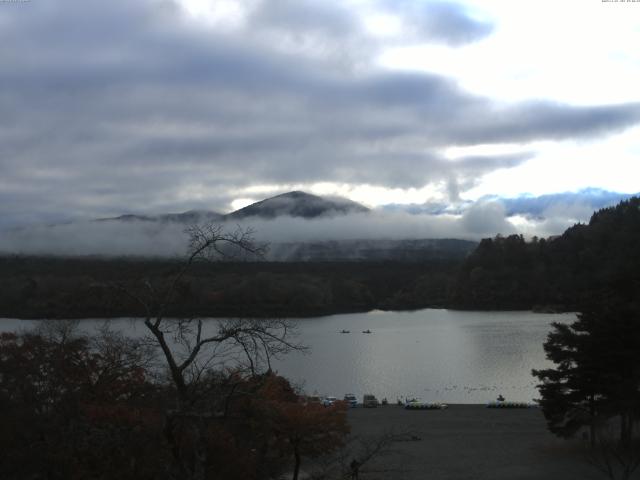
(38, 287)
(288, 315)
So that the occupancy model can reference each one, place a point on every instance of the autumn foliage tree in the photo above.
(303, 429)
(265, 428)
(82, 407)
(74, 406)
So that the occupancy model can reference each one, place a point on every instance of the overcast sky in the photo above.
(154, 106)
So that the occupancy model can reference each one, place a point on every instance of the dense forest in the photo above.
(555, 273)
(502, 273)
(38, 287)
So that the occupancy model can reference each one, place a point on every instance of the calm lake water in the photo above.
(435, 355)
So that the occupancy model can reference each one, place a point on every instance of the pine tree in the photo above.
(597, 370)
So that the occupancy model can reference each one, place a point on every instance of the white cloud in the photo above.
(611, 164)
(240, 98)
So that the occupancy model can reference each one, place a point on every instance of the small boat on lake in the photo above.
(504, 404)
(345, 331)
(366, 331)
(418, 405)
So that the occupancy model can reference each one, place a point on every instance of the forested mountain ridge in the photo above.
(55, 287)
(555, 273)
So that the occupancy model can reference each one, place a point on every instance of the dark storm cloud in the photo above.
(114, 107)
(444, 22)
(548, 120)
(304, 17)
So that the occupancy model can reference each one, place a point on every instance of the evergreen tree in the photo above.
(558, 273)
(597, 370)
(572, 391)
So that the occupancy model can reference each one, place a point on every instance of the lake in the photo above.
(435, 355)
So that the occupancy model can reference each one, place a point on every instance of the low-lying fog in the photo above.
(149, 238)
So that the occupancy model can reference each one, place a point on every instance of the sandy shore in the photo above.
(470, 442)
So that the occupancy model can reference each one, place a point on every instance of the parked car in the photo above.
(351, 400)
(369, 401)
(329, 401)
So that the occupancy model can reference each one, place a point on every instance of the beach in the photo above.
(469, 442)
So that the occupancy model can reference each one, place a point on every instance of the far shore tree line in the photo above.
(555, 274)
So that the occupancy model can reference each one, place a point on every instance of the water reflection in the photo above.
(437, 355)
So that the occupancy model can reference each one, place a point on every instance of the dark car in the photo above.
(369, 401)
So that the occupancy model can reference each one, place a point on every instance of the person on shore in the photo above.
(355, 467)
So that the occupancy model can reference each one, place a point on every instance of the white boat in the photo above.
(418, 405)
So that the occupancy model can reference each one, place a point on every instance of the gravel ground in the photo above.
(469, 442)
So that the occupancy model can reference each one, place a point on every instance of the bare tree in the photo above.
(616, 458)
(192, 348)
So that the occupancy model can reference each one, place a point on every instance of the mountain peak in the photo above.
(299, 204)
(293, 204)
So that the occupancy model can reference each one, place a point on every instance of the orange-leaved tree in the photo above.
(304, 429)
